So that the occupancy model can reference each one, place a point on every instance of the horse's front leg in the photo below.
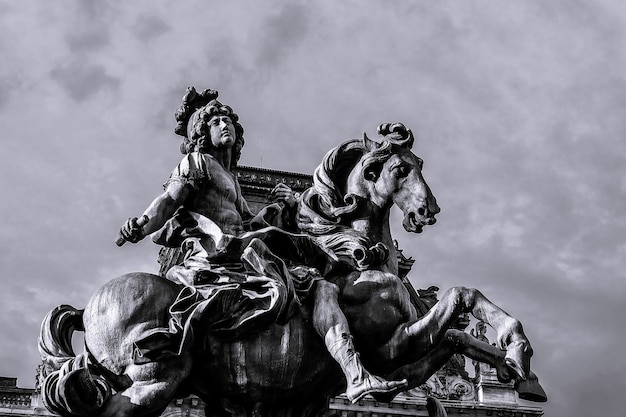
(453, 342)
(429, 342)
(421, 336)
(456, 341)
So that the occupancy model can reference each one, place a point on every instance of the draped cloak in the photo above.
(232, 285)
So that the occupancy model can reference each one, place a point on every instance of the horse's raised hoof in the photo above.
(376, 387)
(531, 390)
(517, 357)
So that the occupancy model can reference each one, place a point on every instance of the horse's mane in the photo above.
(330, 178)
(324, 207)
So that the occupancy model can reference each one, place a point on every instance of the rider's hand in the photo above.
(283, 194)
(132, 230)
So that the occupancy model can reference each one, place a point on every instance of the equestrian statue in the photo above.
(270, 314)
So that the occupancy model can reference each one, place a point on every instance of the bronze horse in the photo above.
(285, 370)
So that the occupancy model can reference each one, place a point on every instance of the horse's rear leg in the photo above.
(154, 385)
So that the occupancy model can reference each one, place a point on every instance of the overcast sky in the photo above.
(517, 108)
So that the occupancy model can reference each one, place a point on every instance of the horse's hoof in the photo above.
(531, 390)
(517, 357)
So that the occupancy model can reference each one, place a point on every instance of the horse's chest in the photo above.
(373, 286)
(376, 303)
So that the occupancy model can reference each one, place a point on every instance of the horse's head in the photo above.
(353, 190)
(390, 173)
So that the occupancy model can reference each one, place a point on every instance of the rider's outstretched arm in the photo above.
(158, 212)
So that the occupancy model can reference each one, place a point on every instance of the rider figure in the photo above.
(204, 189)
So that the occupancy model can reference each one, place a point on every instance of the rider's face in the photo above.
(222, 132)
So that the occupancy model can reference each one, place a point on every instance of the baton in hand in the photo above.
(140, 222)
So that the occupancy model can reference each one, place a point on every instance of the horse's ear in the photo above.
(369, 144)
(410, 141)
(371, 172)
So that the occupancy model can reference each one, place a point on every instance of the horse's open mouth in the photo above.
(415, 224)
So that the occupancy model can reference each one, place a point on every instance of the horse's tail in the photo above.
(71, 386)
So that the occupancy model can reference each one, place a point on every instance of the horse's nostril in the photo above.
(421, 211)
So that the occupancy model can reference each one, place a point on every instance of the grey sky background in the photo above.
(517, 108)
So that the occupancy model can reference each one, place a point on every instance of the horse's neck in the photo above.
(377, 229)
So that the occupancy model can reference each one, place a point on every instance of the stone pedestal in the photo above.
(490, 390)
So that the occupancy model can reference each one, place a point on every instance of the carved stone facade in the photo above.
(405, 407)
(15, 401)
(256, 183)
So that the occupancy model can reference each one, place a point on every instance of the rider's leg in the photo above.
(428, 331)
(331, 324)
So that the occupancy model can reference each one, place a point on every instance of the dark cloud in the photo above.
(281, 33)
(88, 31)
(149, 27)
(227, 66)
(81, 80)
(91, 11)
(87, 41)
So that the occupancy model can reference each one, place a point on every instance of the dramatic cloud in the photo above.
(82, 80)
(280, 33)
(147, 28)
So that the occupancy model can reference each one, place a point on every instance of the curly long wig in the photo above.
(193, 116)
